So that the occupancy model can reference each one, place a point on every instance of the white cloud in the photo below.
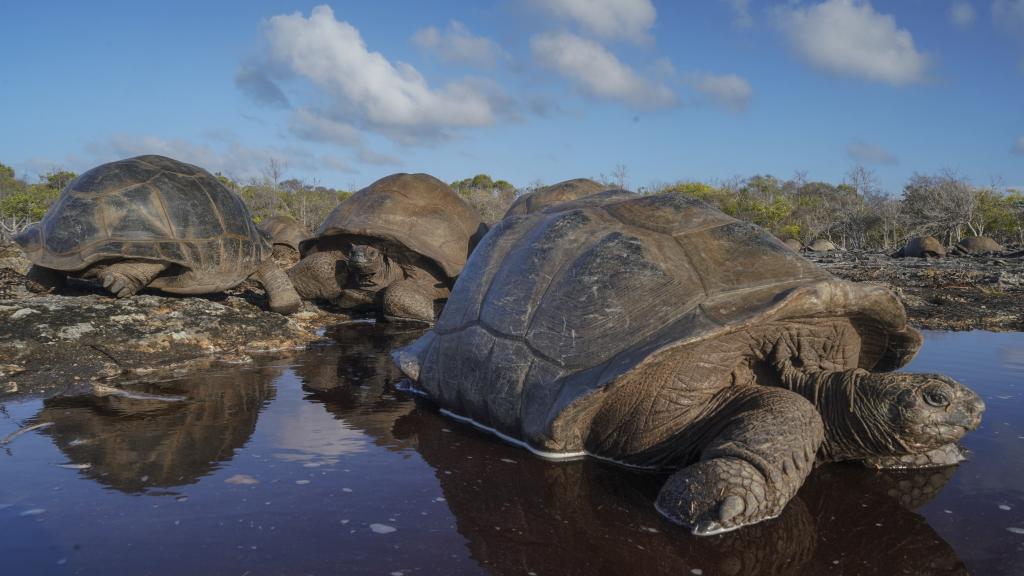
(368, 156)
(740, 13)
(597, 72)
(849, 37)
(728, 90)
(309, 125)
(961, 14)
(364, 87)
(870, 153)
(456, 44)
(1018, 147)
(626, 19)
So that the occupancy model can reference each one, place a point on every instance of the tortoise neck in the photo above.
(852, 408)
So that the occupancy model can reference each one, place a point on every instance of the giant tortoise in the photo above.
(285, 234)
(395, 246)
(977, 245)
(153, 221)
(657, 332)
(545, 196)
(921, 247)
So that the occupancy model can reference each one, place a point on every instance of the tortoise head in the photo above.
(365, 259)
(900, 414)
(929, 410)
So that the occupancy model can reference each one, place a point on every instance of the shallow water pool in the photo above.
(316, 465)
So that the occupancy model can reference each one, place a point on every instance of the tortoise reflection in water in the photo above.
(657, 332)
(138, 442)
(588, 518)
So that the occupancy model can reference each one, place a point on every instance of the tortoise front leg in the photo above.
(947, 455)
(282, 295)
(413, 299)
(763, 450)
(123, 279)
(40, 279)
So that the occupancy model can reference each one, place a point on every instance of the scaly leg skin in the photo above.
(124, 279)
(282, 295)
(410, 300)
(44, 280)
(763, 452)
(947, 455)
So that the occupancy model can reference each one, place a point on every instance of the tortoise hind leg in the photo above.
(44, 280)
(124, 279)
(282, 295)
(763, 450)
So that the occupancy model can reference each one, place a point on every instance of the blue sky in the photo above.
(529, 91)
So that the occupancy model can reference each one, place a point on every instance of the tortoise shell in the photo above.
(415, 211)
(148, 208)
(555, 306)
(284, 230)
(550, 195)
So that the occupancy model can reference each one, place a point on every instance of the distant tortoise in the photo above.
(822, 245)
(977, 245)
(153, 221)
(793, 244)
(921, 247)
(548, 195)
(285, 234)
(396, 246)
(657, 332)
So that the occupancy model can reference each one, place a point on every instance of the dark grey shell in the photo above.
(554, 307)
(149, 208)
(285, 230)
(415, 211)
(541, 198)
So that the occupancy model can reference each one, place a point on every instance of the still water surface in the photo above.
(316, 465)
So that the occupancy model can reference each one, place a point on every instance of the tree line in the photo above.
(854, 214)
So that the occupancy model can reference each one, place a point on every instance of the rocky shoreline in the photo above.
(61, 344)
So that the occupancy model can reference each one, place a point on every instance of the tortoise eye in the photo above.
(936, 398)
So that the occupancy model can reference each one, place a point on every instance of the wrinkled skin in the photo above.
(361, 275)
(752, 467)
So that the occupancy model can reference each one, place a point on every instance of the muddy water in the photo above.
(317, 466)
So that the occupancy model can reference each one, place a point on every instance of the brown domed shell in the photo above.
(416, 211)
(556, 305)
(541, 198)
(285, 230)
(150, 208)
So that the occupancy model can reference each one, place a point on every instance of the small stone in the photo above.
(241, 479)
(1016, 530)
(302, 481)
(382, 528)
(19, 314)
(696, 571)
(1004, 507)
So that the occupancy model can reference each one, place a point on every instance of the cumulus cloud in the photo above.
(961, 14)
(309, 125)
(849, 37)
(457, 45)
(870, 153)
(597, 72)
(256, 85)
(615, 19)
(728, 90)
(1018, 146)
(367, 90)
(741, 17)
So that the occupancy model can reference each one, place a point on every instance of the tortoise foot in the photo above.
(718, 495)
(127, 278)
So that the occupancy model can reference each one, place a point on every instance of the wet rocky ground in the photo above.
(53, 344)
(64, 343)
(953, 293)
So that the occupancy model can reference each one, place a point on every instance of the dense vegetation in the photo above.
(853, 214)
